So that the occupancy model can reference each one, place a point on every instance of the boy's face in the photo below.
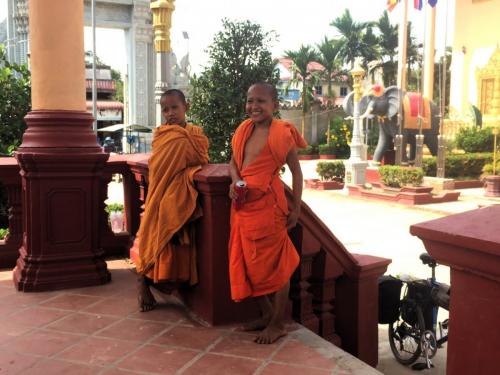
(173, 110)
(260, 104)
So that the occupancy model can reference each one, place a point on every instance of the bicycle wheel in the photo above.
(404, 340)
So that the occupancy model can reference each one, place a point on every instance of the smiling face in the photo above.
(260, 105)
(173, 109)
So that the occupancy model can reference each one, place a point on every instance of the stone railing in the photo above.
(333, 293)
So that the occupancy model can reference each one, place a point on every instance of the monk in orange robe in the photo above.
(167, 253)
(262, 257)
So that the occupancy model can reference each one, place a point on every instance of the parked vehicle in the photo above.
(413, 328)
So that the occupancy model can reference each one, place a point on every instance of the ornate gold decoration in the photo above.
(162, 22)
(357, 75)
(488, 90)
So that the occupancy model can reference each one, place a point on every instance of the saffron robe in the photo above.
(177, 154)
(262, 257)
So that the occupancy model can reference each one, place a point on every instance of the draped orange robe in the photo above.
(262, 257)
(177, 155)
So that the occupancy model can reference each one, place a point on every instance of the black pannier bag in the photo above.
(419, 292)
(389, 293)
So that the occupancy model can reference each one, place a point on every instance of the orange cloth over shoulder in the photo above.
(262, 257)
(177, 155)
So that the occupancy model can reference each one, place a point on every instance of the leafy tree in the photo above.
(15, 102)
(239, 56)
(300, 61)
(117, 77)
(352, 36)
(328, 51)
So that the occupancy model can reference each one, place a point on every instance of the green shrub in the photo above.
(112, 207)
(331, 170)
(3, 233)
(309, 150)
(396, 176)
(340, 137)
(464, 166)
(474, 139)
(488, 169)
(327, 149)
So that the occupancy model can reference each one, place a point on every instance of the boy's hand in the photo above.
(292, 219)
(232, 192)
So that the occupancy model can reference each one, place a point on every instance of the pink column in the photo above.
(60, 160)
(470, 244)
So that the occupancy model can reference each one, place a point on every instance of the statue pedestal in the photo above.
(355, 172)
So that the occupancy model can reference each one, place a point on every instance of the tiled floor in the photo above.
(99, 330)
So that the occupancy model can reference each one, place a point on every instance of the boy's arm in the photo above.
(292, 160)
(235, 176)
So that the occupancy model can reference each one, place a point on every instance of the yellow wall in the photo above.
(477, 33)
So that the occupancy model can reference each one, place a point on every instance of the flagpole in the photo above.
(402, 45)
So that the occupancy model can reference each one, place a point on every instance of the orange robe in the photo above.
(262, 257)
(177, 155)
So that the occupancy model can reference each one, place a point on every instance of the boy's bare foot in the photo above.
(145, 298)
(271, 334)
(255, 325)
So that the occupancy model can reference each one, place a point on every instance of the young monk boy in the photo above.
(167, 254)
(262, 257)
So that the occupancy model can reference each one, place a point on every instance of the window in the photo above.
(343, 91)
(318, 90)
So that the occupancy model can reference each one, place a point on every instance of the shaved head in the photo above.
(271, 89)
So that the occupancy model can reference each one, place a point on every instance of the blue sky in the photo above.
(295, 21)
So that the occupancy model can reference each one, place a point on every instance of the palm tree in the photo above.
(388, 42)
(328, 51)
(300, 61)
(351, 40)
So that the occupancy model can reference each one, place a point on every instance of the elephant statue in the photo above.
(384, 104)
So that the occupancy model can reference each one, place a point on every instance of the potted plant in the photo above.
(331, 176)
(115, 214)
(492, 179)
(327, 151)
(308, 153)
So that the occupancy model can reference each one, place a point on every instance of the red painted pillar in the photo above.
(470, 244)
(60, 160)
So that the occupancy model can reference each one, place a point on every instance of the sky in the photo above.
(295, 21)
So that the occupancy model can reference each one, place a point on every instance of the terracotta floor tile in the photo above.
(162, 313)
(82, 323)
(114, 306)
(134, 330)
(189, 337)
(5, 291)
(6, 310)
(282, 369)
(43, 343)
(295, 352)
(98, 351)
(242, 344)
(70, 301)
(9, 331)
(55, 367)
(157, 359)
(22, 299)
(117, 371)
(37, 316)
(212, 364)
(14, 363)
(106, 290)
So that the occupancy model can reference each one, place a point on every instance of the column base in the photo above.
(61, 168)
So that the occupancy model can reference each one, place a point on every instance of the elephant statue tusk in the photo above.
(368, 112)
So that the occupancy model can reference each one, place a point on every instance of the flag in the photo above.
(391, 4)
(418, 4)
(433, 3)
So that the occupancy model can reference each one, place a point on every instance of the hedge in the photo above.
(464, 166)
(331, 170)
(396, 176)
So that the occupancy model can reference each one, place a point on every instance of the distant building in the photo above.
(109, 111)
(292, 96)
